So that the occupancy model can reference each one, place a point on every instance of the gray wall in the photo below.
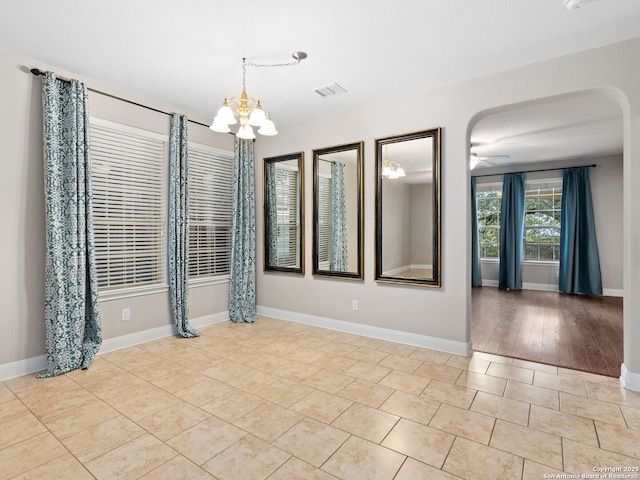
(396, 225)
(607, 194)
(22, 209)
(407, 225)
(421, 224)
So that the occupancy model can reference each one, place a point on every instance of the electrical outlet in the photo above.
(354, 305)
(126, 314)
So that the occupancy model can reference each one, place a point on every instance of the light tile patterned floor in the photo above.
(281, 400)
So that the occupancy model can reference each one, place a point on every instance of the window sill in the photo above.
(132, 292)
(203, 282)
(543, 263)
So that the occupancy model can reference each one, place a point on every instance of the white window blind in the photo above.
(324, 222)
(287, 185)
(210, 187)
(129, 170)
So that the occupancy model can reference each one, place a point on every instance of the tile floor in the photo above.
(280, 400)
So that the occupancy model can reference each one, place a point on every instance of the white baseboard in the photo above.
(145, 336)
(629, 380)
(414, 339)
(545, 287)
(39, 363)
(525, 286)
(23, 367)
(612, 292)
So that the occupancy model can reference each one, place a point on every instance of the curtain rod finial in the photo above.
(36, 71)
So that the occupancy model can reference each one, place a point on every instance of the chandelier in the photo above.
(391, 169)
(248, 110)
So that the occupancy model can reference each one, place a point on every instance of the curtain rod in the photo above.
(531, 171)
(37, 72)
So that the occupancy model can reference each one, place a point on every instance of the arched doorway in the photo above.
(536, 323)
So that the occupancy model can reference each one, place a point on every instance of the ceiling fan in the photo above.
(484, 160)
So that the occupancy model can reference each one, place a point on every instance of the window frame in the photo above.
(548, 183)
(221, 278)
(533, 184)
(163, 284)
(288, 189)
(324, 220)
(484, 188)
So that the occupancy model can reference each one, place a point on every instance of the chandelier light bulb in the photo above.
(226, 114)
(268, 128)
(246, 132)
(257, 117)
(219, 125)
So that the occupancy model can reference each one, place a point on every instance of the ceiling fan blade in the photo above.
(488, 157)
(484, 160)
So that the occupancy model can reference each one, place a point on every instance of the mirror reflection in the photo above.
(284, 213)
(407, 209)
(337, 232)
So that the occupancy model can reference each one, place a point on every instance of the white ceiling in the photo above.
(188, 54)
(575, 127)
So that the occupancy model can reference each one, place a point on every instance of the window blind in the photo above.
(210, 190)
(287, 185)
(324, 222)
(129, 205)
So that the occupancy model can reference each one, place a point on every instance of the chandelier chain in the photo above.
(288, 64)
(246, 64)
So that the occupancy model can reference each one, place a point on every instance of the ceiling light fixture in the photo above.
(571, 4)
(247, 109)
(391, 169)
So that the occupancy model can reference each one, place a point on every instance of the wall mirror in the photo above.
(408, 209)
(337, 211)
(284, 213)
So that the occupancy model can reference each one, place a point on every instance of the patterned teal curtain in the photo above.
(179, 225)
(272, 214)
(476, 267)
(71, 310)
(579, 259)
(511, 232)
(242, 285)
(339, 259)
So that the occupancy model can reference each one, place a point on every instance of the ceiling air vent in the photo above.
(330, 90)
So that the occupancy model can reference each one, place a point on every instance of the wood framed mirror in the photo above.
(337, 211)
(284, 213)
(407, 215)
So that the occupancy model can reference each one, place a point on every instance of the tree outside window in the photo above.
(542, 223)
(488, 207)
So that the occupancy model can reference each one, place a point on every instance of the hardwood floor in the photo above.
(572, 331)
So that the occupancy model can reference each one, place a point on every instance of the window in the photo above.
(324, 222)
(288, 239)
(210, 187)
(129, 172)
(542, 223)
(542, 205)
(488, 208)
